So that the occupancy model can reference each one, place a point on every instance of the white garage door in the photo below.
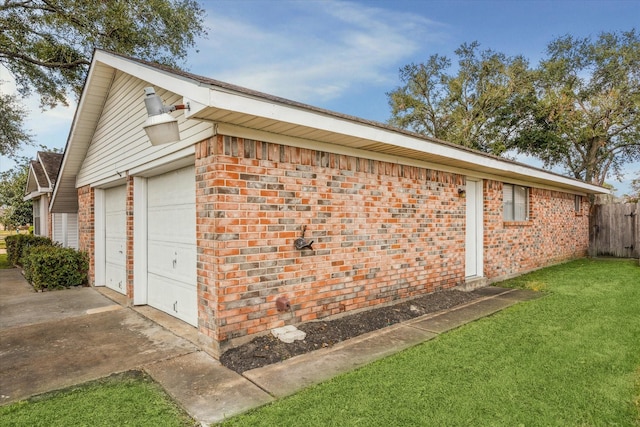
(115, 203)
(171, 249)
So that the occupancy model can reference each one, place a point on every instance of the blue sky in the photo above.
(345, 56)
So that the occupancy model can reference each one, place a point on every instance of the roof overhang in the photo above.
(236, 109)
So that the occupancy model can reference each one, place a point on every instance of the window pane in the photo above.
(520, 203)
(36, 217)
(507, 202)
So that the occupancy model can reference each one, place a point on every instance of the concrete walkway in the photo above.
(53, 340)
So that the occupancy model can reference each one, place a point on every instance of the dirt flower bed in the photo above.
(267, 349)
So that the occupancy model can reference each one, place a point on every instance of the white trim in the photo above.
(238, 102)
(140, 243)
(173, 161)
(99, 237)
(186, 87)
(477, 185)
(110, 182)
(242, 132)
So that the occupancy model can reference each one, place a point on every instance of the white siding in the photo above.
(65, 229)
(120, 143)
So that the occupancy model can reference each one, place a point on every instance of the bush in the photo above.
(53, 267)
(17, 243)
(12, 248)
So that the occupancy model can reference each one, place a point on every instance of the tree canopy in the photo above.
(47, 45)
(12, 128)
(463, 108)
(15, 210)
(587, 114)
(578, 109)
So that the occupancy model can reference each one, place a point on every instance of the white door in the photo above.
(474, 229)
(115, 205)
(171, 244)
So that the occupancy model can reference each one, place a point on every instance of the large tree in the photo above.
(47, 44)
(587, 115)
(15, 211)
(579, 109)
(464, 108)
(12, 128)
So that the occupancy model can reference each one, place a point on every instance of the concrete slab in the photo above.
(491, 291)
(39, 307)
(13, 284)
(520, 295)
(299, 372)
(458, 317)
(206, 389)
(43, 357)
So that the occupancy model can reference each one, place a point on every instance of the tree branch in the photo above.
(64, 65)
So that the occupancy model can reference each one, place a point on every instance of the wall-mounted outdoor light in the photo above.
(462, 192)
(161, 128)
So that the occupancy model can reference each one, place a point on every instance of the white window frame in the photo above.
(515, 203)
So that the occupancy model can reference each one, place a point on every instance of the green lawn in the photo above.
(130, 399)
(571, 358)
(4, 263)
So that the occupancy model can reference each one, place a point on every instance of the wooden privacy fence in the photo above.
(615, 230)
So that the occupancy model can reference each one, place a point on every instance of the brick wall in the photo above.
(381, 232)
(554, 232)
(129, 249)
(86, 227)
(47, 200)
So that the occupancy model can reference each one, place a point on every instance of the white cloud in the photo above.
(323, 50)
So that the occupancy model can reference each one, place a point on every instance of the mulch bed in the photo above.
(267, 349)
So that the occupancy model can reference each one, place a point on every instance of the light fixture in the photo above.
(462, 192)
(161, 128)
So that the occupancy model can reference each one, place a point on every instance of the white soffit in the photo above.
(267, 115)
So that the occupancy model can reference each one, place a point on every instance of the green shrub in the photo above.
(53, 267)
(12, 248)
(18, 246)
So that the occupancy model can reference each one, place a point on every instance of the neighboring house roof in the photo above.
(237, 111)
(51, 163)
(43, 173)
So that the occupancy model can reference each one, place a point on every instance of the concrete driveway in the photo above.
(52, 340)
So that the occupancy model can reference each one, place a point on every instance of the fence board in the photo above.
(616, 230)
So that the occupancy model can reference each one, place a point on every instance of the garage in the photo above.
(115, 226)
(171, 244)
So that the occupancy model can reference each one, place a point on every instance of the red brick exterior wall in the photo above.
(129, 254)
(86, 227)
(46, 199)
(555, 232)
(381, 232)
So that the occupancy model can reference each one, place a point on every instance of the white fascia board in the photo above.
(32, 195)
(246, 104)
(180, 85)
(72, 148)
(258, 135)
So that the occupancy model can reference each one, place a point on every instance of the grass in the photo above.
(128, 399)
(4, 263)
(571, 358)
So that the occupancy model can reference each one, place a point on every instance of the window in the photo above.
(36, 217)
(515, 203)
(578, 204)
